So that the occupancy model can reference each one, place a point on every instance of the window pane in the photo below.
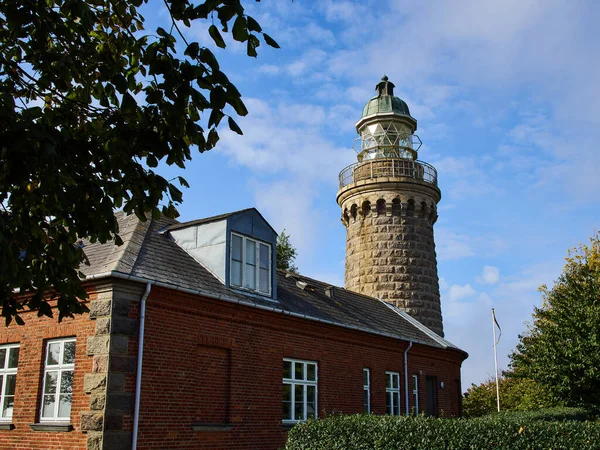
(299, 371)
(51, 379)
(236, 247)
(2, 357)
(310, 394)
(287, 369)
(13, 358)
(311, 372)
(236, 273)
(264, 256)
(366, 400)
(366, 377)
(64, 405)
(388, 380)
(7, 408)
(388, 402)
(310, 410)
(250, 277)
(263, 281)
(299, 402)
(287, 410)
(48, 408)
(53, 354)
(395, 379)
(11, 381)
(66, 382)
(396, 404)
(69, 353)
(250, 252)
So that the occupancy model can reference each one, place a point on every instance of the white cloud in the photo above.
(457, 292)
(489, 275)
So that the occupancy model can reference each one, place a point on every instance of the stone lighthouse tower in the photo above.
(388, 200)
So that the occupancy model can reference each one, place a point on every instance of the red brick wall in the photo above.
(32, 338)
(199, 352)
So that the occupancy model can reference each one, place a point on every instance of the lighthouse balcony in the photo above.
(388, 168)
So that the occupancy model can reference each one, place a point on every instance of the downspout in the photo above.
(406, 374)
(138, 374)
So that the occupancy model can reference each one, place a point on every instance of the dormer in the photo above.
(238, 248)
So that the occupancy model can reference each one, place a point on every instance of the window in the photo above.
(250, 264)
(58, 380)
(416, 393)
(392, 393)
(299, 390)
(9, 359)
(367, 389)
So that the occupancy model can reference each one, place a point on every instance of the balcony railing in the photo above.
(390, 168)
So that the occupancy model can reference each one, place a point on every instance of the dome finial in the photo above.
(385, 87)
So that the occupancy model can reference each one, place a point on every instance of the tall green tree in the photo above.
(286, 253)
(90, 103)
(561, 349)
(516, 394)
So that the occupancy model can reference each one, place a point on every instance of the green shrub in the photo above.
(521, 431)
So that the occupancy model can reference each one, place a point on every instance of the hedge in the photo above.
(527, 431)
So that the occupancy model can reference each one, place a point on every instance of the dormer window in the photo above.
(250, 264)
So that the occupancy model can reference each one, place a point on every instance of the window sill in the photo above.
(51, 427)
(211, 427)
(7, 426)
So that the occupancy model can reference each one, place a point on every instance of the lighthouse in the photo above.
(389, 203)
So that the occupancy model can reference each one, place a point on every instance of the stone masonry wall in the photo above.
(390, 252)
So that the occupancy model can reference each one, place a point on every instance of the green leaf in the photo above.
(234, 126)
(253, 24)
(192, 50)
(214, 33)
(240, 29)
(128, 105)
(270, 41)
(253, 43)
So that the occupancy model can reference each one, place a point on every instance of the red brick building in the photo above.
(195, 341)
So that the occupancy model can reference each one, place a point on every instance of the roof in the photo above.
(386, 104)
(149, 254)
(191, 223)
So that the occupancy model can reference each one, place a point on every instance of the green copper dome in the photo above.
(385, 101)
(386, 104)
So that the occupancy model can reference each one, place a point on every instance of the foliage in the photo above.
(560, 350)
(502, 431)
(286, 253)
(516, 394)
(90, 104)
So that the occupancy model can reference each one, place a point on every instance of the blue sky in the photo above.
(507, 98)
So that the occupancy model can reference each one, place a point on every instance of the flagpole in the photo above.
(496, 360)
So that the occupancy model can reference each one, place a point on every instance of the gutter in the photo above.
(410, 344)
(138, 374)
(174, 287)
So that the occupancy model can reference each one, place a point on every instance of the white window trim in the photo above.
(389, 391)
(4, 371)
(367, 388)
(293, 383)
(60, 367)
(416, 393)
(256, 265)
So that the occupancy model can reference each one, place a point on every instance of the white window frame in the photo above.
(367, 389)
(61, 368)
(305, 382)
(416, 393)
(5, 371)
(390, 391)
(256, 264)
